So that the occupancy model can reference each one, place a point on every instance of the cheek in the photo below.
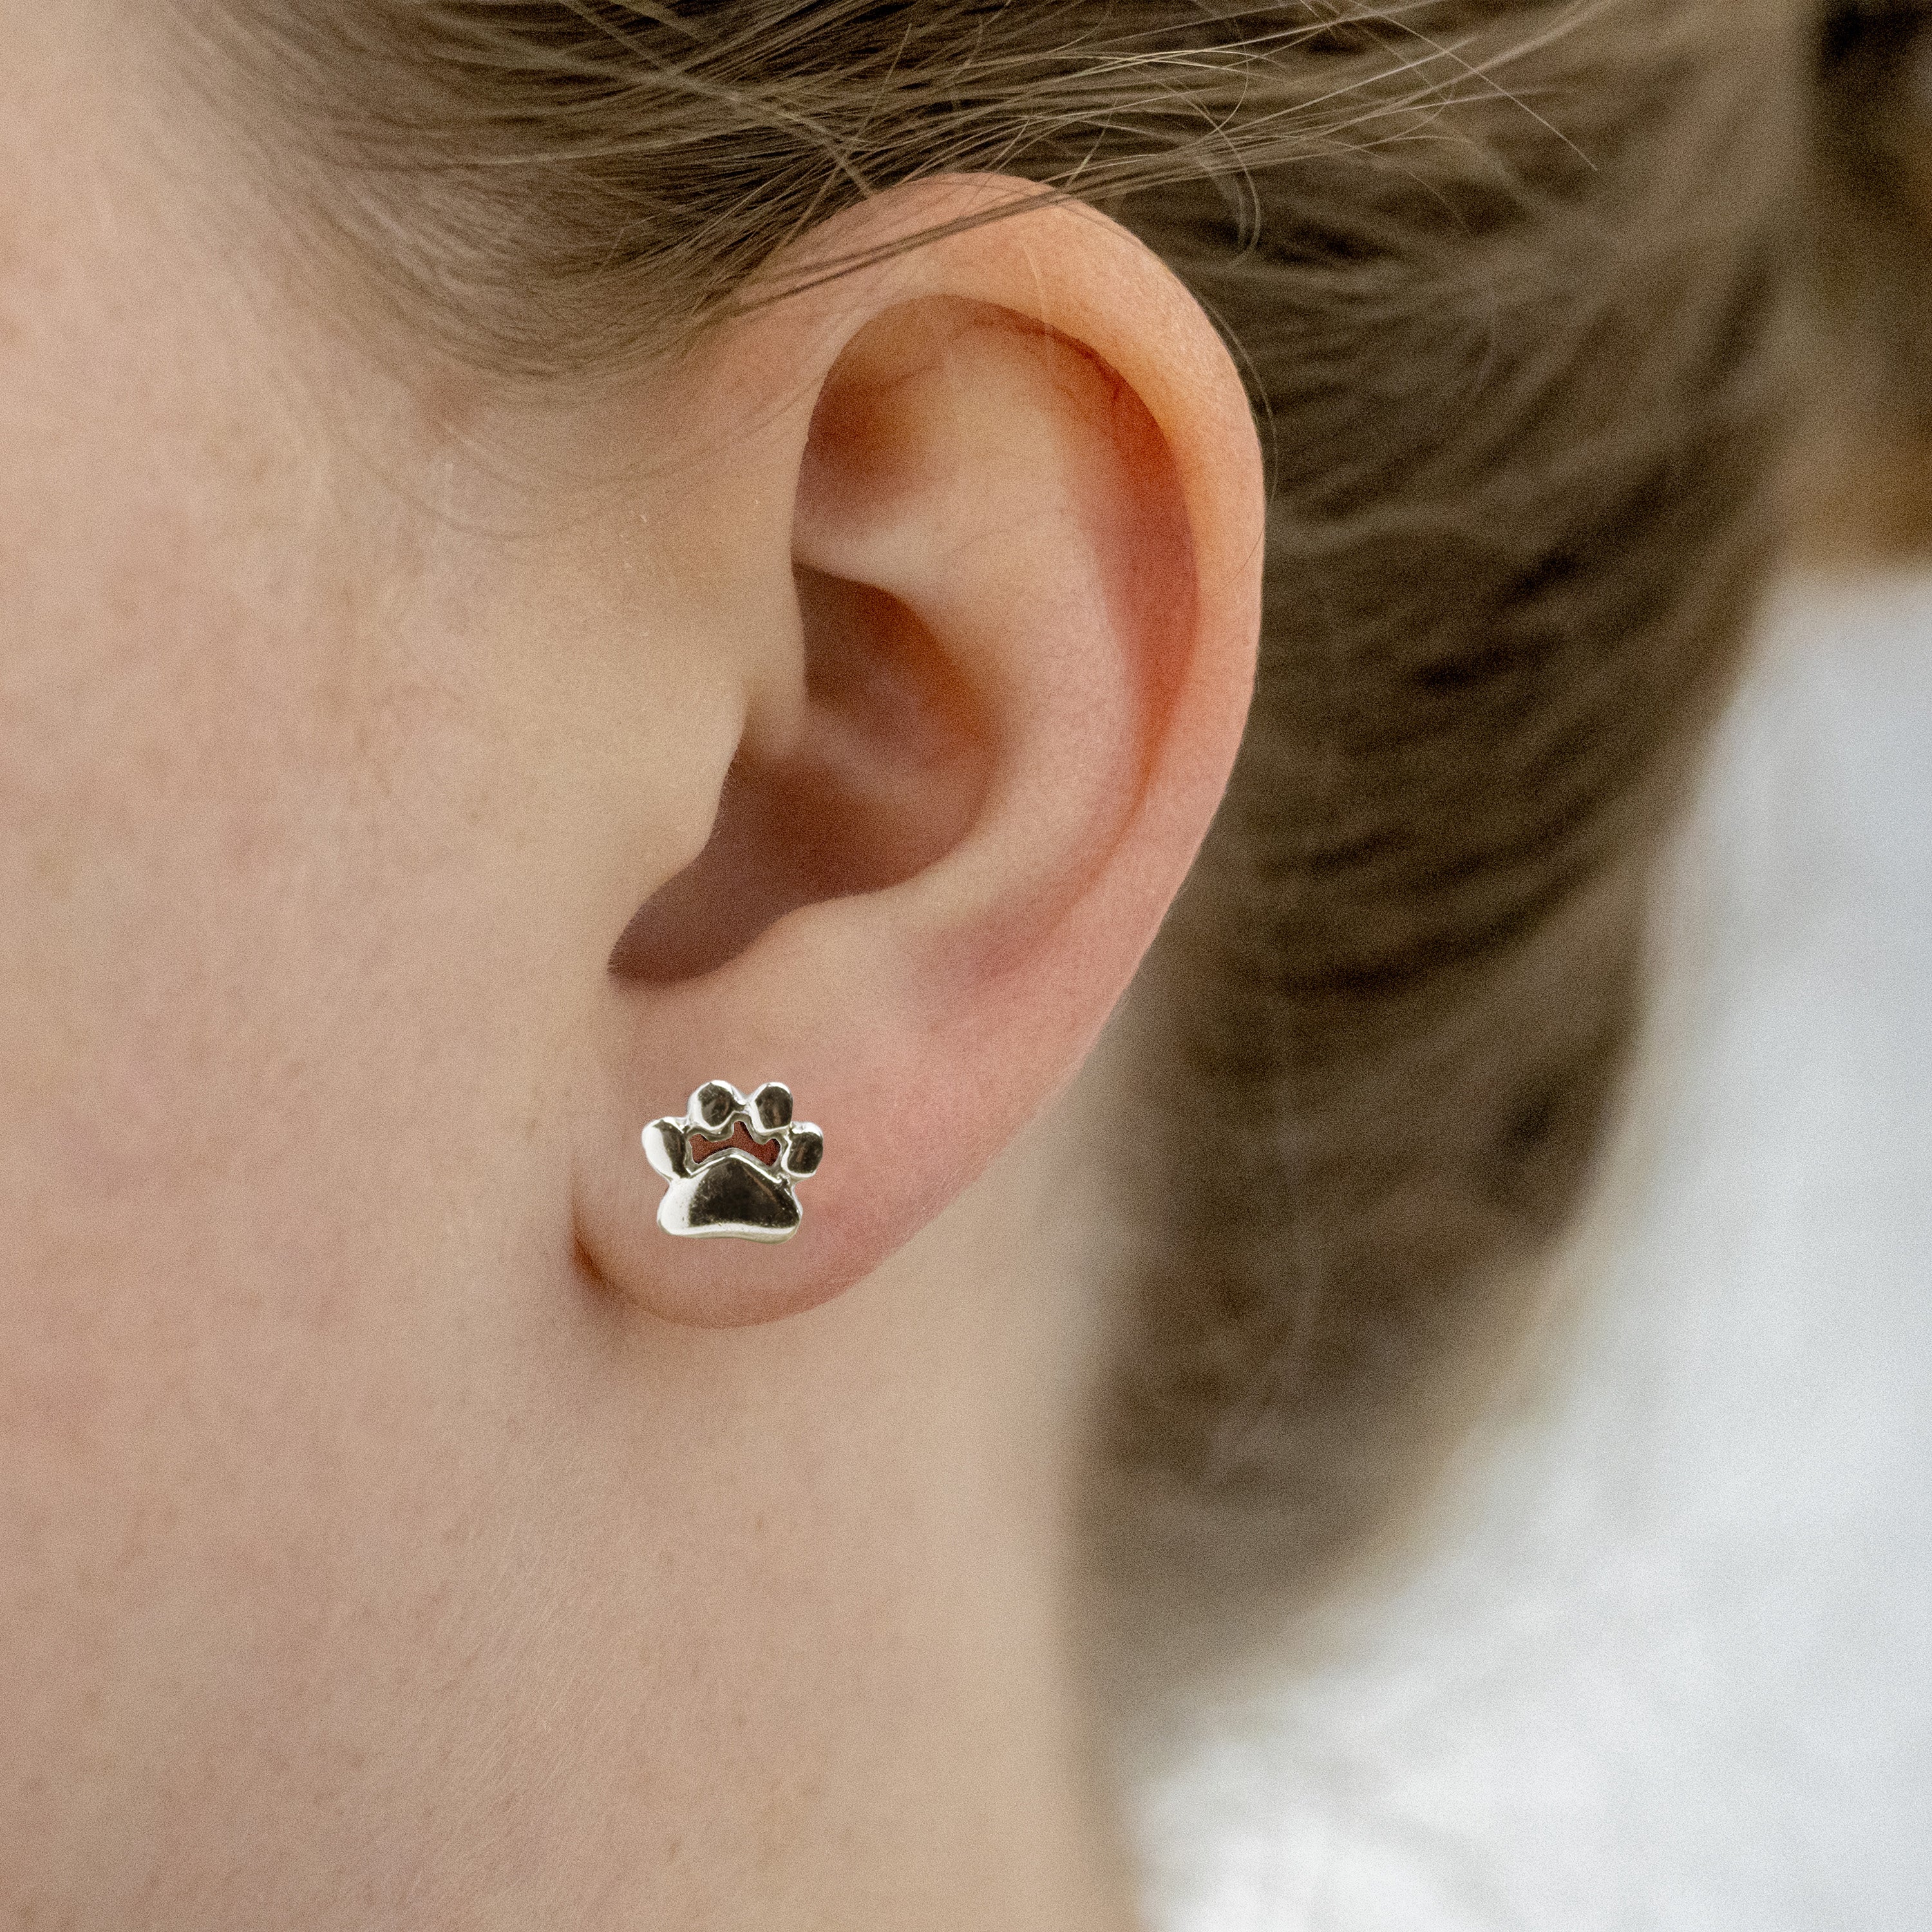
(269, 1143)
(242, 792)
(264, 1079)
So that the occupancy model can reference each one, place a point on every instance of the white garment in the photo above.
(1665, 1659)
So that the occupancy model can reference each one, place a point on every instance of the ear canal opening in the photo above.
(890, 770)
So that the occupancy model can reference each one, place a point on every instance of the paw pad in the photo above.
(732, 1163)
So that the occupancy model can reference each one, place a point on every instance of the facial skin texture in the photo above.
(395, 1528)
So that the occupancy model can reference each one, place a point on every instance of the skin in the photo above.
(396, 1528)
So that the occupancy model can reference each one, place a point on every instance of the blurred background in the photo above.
(1659, 1654)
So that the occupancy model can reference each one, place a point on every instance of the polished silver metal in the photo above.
(732, 1164)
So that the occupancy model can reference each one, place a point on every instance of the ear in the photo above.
(1019, 564)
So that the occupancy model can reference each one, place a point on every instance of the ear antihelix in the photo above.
(731, 1163)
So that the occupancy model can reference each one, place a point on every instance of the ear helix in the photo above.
(732, 1164)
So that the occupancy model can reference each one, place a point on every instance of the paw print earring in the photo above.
(731, 1163)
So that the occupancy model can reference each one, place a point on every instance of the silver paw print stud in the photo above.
(732, 1163)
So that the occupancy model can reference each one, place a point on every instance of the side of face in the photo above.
(279, 1102)
(351, 708)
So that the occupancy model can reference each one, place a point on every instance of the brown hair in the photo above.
(1506, 278)
(1867, 477)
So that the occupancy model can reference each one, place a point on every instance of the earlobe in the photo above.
(1025, 556)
